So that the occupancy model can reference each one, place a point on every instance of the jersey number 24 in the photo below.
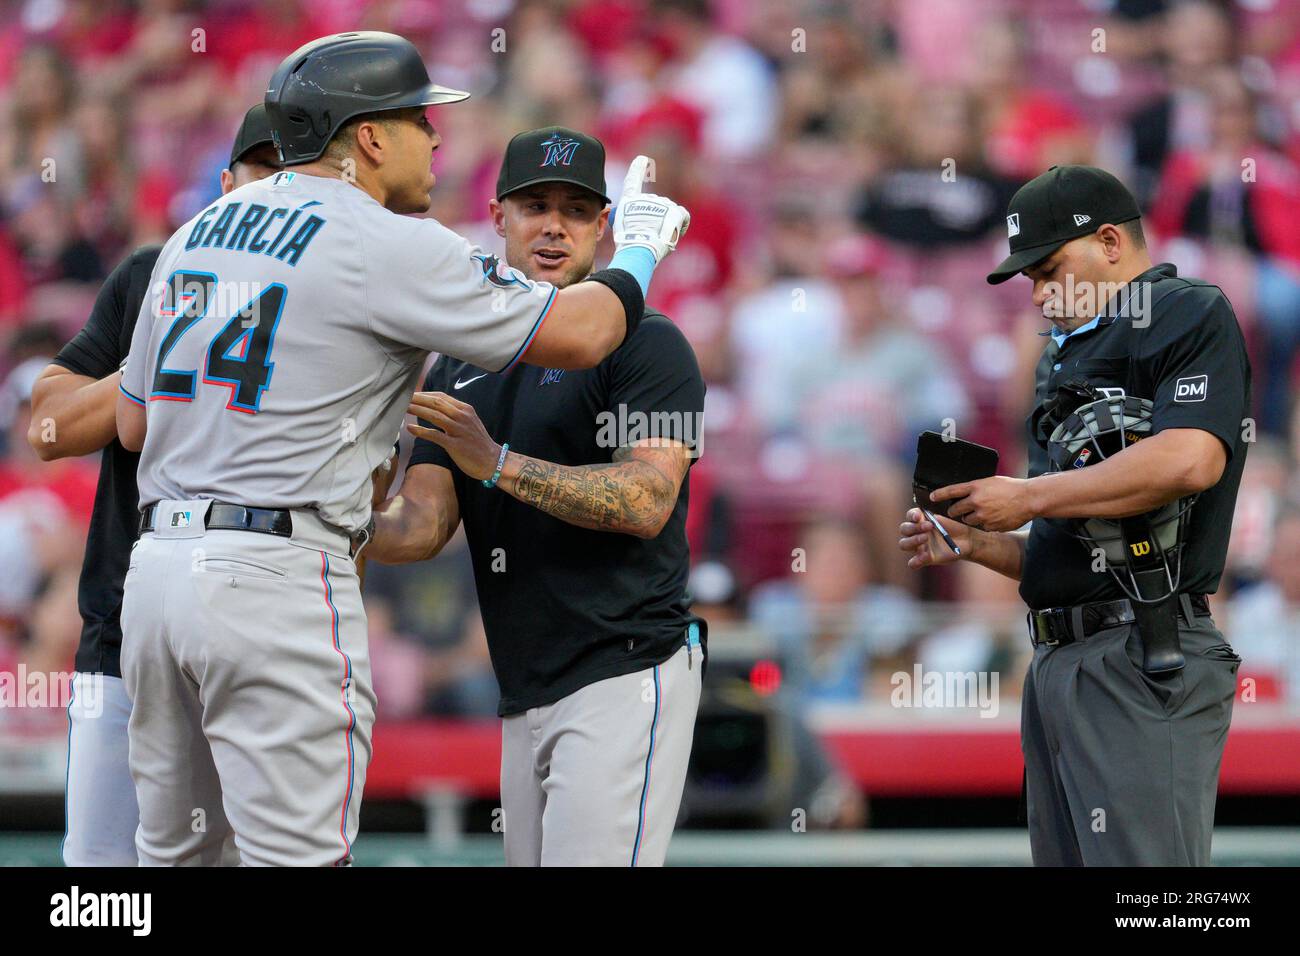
(238, 357)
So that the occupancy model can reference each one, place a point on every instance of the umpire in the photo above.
(1123, 719)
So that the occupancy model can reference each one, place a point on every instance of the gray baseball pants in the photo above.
(245, 657)
(596, 778)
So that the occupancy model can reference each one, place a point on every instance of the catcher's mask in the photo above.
(1144, 553)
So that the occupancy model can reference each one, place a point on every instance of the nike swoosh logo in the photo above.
(460, 384)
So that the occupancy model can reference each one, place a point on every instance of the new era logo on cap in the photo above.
(1080, 219)
(1013, 225)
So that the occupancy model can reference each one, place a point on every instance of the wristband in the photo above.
(624, 285)
(637, 261)
(496, 475)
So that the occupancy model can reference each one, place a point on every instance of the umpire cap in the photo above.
(322, 85)
(1064, 203)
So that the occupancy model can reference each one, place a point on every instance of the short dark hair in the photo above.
(340, 144)
(1134, 229)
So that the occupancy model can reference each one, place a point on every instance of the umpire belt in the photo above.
(1058, 626)
(222, 516)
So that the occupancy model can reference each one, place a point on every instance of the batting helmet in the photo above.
(322, 85)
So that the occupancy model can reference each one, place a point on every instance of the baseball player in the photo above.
(264, 385)
(578, 539)
(73, 414)
(1129, 695)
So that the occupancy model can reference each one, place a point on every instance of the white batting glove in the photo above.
(644, 219)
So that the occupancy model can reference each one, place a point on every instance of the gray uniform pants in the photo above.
(245, 657)
(1122, 769)
(596, 778)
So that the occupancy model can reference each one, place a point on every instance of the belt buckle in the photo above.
(360, 539)
(1052, 620)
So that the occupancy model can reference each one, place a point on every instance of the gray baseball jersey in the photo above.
(285, 330)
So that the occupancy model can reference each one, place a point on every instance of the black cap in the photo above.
(1064, 203)
(553, 154)
(254, 131)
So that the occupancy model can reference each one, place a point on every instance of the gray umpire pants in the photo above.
(596, 778)
(1122, 768)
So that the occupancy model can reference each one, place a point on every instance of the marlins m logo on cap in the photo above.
(559, 150)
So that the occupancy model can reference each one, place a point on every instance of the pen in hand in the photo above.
(944, 534)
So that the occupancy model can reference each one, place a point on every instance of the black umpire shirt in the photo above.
(563, 606)
(1190, 360)
(99, 349)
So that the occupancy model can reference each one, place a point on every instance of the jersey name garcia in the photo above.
(284, 332)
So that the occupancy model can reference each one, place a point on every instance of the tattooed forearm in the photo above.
(634, 494)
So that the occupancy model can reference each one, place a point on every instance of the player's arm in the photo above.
(430, 288)
(74, 401)
(634, 494)
(131, 421)
(72, 415)
(419, 520)
(586, 322)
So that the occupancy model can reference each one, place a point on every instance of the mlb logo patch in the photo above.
(1191, 388)
(180, 519)
(1082, 460)
(1013, 225)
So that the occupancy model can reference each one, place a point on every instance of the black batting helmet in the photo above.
(322, 85)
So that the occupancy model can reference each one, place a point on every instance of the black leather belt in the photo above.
(227, 517)
(1058, 626)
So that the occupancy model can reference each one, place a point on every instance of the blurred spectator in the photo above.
(883, 382)
(987, 633)
(723, 76)
(1196, 37)
(44, 514)
(940, 192)
(832, 620)
(429, 622)
(1264, 621)
(1237, 192)
(797, 311)
(697, 272)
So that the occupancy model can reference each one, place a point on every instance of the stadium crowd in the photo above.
(847, 164)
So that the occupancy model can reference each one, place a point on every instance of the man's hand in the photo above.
(457, 430)
(644, 219)
(990, 504)
(919, 538)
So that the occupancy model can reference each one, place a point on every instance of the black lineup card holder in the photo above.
(946, 461)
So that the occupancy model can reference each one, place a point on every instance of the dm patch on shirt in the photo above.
(1191, 388)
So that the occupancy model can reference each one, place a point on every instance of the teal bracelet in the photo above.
(491, 482)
